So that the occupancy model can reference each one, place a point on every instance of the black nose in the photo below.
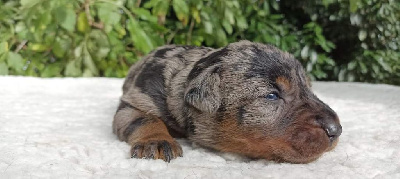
(333, 130)
(331, 126)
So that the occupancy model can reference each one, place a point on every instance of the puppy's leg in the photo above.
(147, 135)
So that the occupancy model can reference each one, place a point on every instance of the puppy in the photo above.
(246, 98)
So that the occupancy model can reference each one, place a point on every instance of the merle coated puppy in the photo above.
(246, 98)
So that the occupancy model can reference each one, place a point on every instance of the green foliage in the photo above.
(365, 34)
(356, 40)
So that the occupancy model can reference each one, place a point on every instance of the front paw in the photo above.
(162, 149)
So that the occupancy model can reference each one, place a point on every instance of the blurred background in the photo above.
(335, 40)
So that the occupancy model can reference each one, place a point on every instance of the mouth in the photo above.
(333, 145)
(307, 145)
(310, 140)
(301, 143)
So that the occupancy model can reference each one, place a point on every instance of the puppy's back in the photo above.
(148, 84)
(163, 62)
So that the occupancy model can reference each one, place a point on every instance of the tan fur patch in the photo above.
(152, 131)
(284, 83)
(253, 143)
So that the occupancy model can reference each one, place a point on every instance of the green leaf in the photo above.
(326, 3)
(3, 68)
(196, 15)
(89, 64)
(384, 65)
(205, 15)
(73, 69)
(150, 4)
(28, 3)
(159, 7)
(362, 34)
(60, 47)
(241, 23)
(304, 52)
(83, 24)
(3, 51)
(15, 61)
(364, 69)
(208, 27)
(227, 26)
(66, 18)
(78, 51)
(98, 44)
(87, 73)
(140, 39)
(37, 47)
(181, 10)
(229, 16)
(120, 30)
(221, 38)
(266, 8)
(43, 21)
(262, 13)
(351, 65)
(144, 14)
(353, 5)
(313, 57)
(52, 70)
(162, 7)
(108, 14)
(3, 47)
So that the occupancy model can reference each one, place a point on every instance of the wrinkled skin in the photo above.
(247, 98)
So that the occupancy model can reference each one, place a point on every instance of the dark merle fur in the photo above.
(221, 112)
(190, 127)
(241, 112)
(135, 149)
(151, 82)
(161, 52)
(206, 62)
(166, 149)
(123, 105)
(133, 126)
(271, 70)
(208, 96)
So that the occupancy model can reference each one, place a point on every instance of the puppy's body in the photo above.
(155, 85)
(246, 98)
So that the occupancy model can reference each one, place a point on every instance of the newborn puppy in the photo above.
(246, 98)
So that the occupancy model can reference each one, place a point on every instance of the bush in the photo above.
(334, 39)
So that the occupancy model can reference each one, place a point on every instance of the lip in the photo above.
(333, 145)
(332, 139)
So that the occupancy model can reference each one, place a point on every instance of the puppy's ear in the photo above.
(203, 90)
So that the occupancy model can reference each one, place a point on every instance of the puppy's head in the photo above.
(255, 100)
